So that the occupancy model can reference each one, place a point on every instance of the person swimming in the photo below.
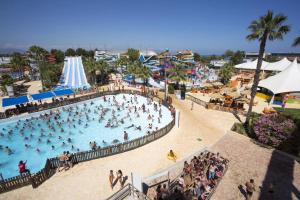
(132, 125)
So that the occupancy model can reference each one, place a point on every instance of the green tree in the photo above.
(37, 53)
(144, 73)
(6, 80)
(133, 69)
(296, 41)
(237, 57)
(268, 27)
(133, 54)
(50, 74)
(197, 57)
(121, 62)
(228, 53)
(177, 73)
(96, 70)
(18, 62)
(81, 52)
(226, 72)
(59, 55)
(70, 52)
(102, 70)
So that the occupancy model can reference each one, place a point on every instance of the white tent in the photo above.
(251, 65)
(286, 81)
(278, 66)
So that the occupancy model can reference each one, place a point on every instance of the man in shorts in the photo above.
(250, 188)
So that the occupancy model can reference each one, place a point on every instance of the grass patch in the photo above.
(291, 112)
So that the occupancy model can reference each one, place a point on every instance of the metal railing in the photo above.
(128, 191)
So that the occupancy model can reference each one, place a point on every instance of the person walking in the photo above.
(250, 188)
(111, 178)
(192, 105)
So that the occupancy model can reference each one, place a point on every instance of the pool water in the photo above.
(71, 128)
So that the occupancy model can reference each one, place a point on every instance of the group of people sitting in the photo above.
(197, 180)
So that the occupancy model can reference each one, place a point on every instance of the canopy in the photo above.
(14, 101)
(43, 95)
(285, 81)
(278, 66)
(73, 75)
(63, 92)
(251, 65)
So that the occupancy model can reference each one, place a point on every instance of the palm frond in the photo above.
(296, 41)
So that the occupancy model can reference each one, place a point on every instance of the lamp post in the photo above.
(166, 82)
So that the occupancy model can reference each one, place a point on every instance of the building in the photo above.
(5, 60)
(254, 55)
(218, 63)
(185, 56)
(289, 56)
(108, 56)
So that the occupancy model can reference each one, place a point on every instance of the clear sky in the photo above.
(206, 26)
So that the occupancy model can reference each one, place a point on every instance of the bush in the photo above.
(273, 129)
(171, 89)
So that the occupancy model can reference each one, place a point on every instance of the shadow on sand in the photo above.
(278, 182)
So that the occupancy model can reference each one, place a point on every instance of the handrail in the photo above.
(126, 191)
(52, 163)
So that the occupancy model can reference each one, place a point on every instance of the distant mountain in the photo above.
(11, 50)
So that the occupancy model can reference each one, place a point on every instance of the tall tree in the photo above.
(226, 72)
(144, 73)
(81, 52)
(296, 41)
(177, 73)
(18, 63)
(59, 55)
(268, 27)
(70, 52)
(133, 69)
(133, 54)
(37, 53)
(50, 74)
(197, 57)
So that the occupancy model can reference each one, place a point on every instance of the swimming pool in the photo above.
(48, 133)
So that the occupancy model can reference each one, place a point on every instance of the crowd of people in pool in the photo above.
(197, 180)
(57, 123)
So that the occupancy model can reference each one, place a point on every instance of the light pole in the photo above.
(166, 82)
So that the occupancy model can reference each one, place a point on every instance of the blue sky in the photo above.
(206, 26)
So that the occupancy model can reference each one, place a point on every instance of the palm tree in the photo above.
(122, 61)
(296, 41)
(101, 68)
(226, 72)
(90, 69)
(18, 62)
(268, 27)
(177, 73)
(144, 73)
(133, 69)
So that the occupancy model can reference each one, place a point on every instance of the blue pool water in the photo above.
(40, 131)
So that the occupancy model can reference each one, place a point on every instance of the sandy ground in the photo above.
(90, 180)
(265, 166)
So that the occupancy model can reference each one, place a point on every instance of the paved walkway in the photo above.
(265, 166)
